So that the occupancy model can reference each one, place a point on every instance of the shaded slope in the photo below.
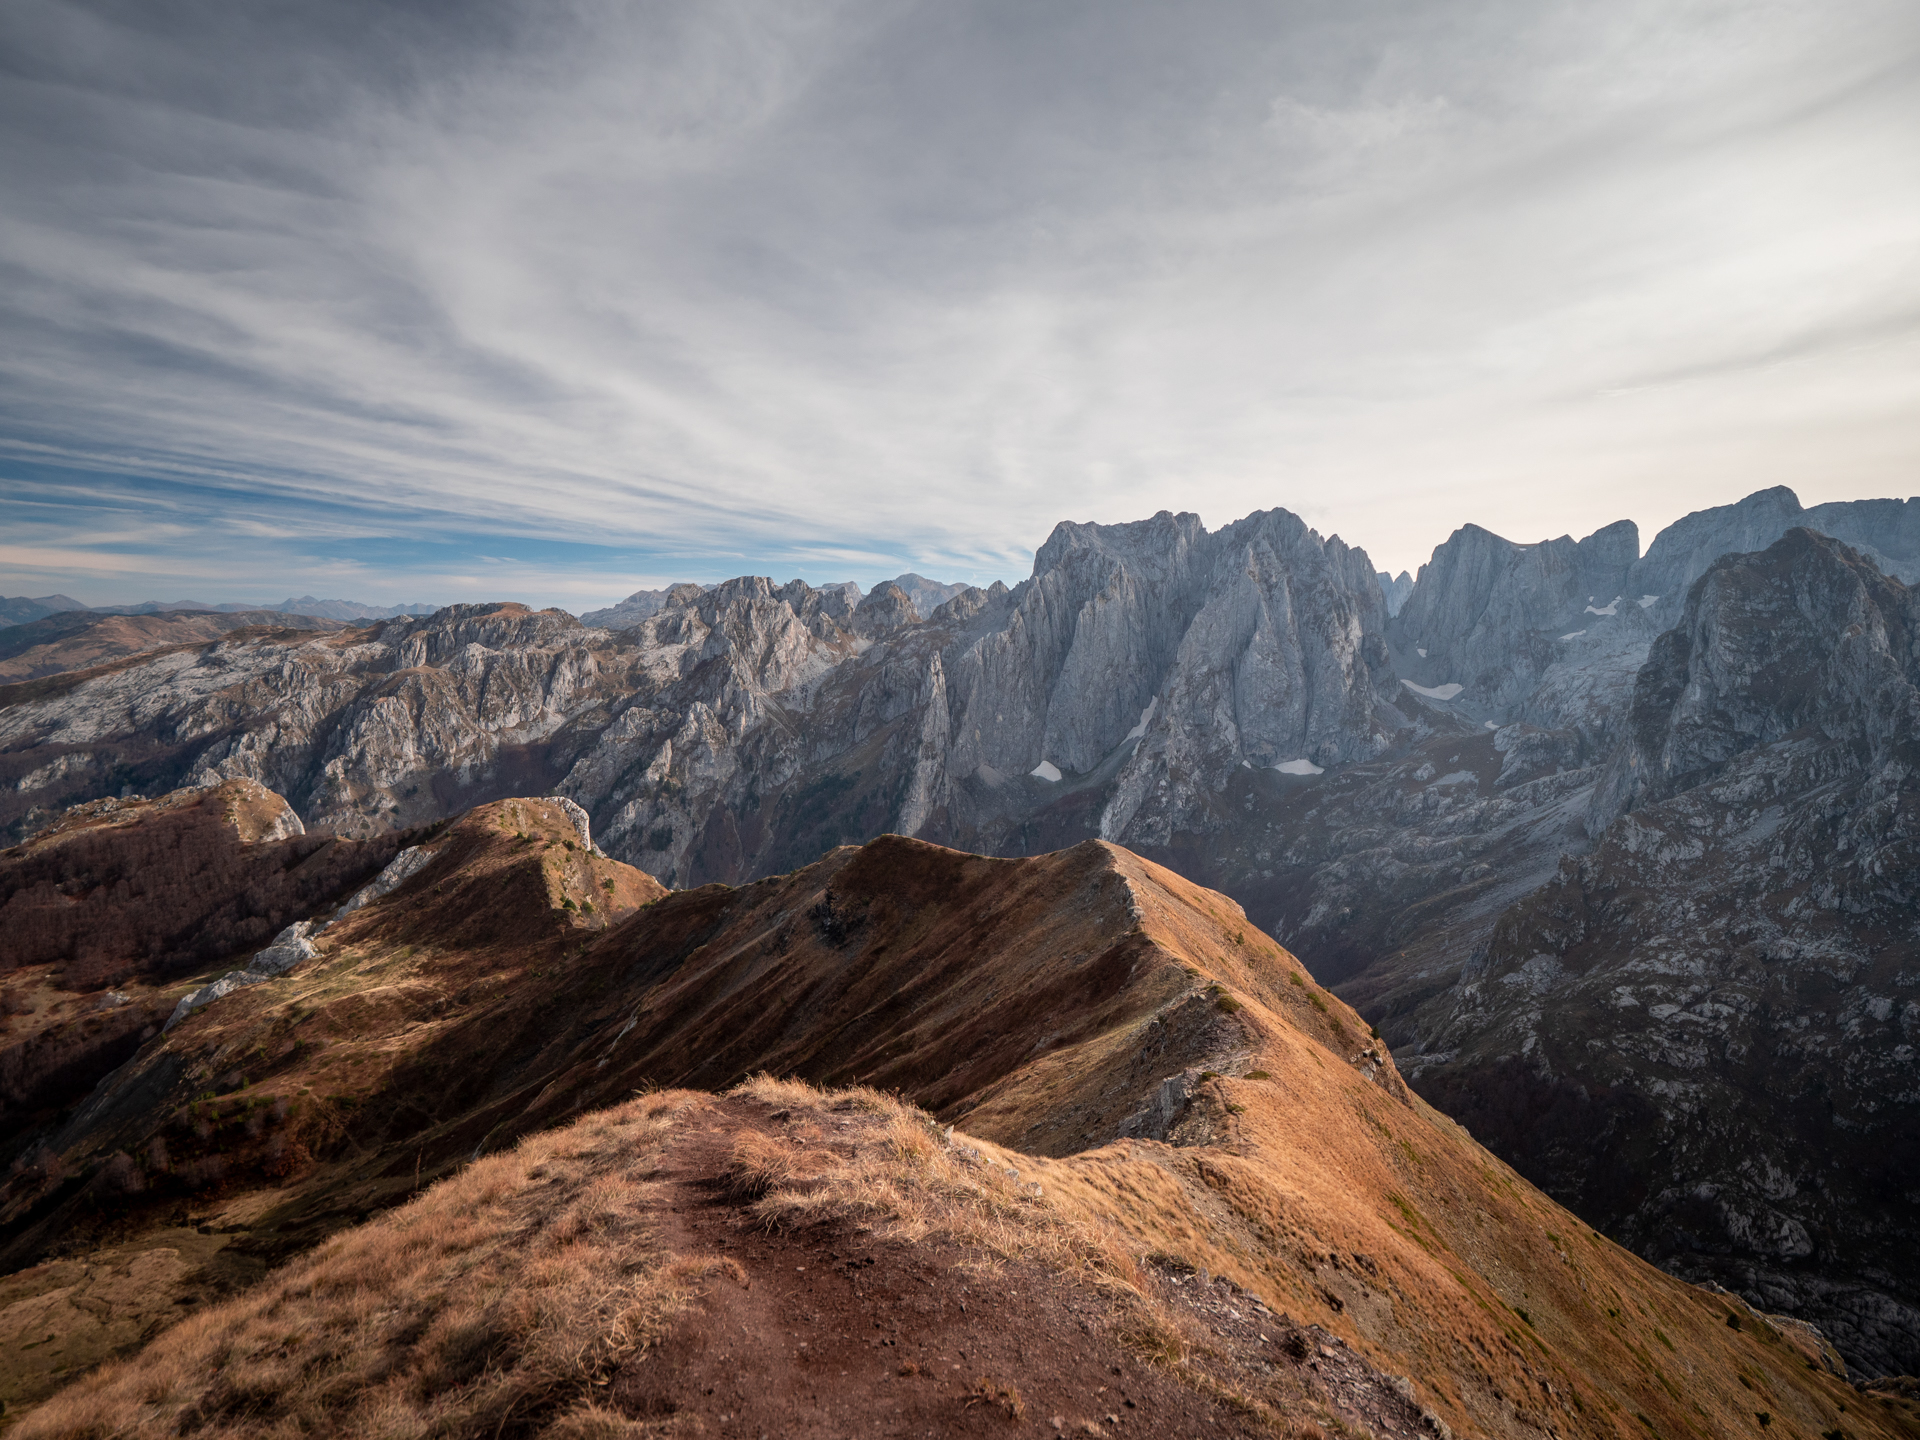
(144, 897)
(1701, 1033)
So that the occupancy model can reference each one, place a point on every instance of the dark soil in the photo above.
(836, 1334)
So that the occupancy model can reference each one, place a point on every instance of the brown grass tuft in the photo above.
(1001, 1397)
(760, 1163)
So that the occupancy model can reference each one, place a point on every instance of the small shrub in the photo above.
(1258, 1075)
(567, 904)
(1003, 1397)
(1153, 1340)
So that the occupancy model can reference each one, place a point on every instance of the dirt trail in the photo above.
(816, 1339)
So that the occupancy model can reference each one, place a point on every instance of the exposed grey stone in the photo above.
(291, 946)
(402, 868)
(207, 994)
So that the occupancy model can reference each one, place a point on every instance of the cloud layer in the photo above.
(555, 300)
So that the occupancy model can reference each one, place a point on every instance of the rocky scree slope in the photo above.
(1160, 1079)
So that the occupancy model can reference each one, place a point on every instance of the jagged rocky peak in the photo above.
(1276, 656)
(927, 595)
(1885, 532)
(886, 608)
(1395, 589)
(1487, 618)
(837, 599)
(1807, 634)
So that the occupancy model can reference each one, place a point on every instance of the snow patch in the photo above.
(1420, 651)
(1613, 607)
(1046, 770)
(1458, 777)
(1299, 767)
(1646, 600)
(1438, 692)
(1145, 715)
(1574, 634)
(1491, 724)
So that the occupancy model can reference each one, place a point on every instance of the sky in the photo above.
(551, 302)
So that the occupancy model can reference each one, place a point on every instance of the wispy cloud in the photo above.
(336, 295)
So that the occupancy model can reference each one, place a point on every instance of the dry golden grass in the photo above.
(915, 1182)
(509, 1292)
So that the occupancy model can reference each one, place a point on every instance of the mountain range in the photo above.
(20, 610)
(1614, 849)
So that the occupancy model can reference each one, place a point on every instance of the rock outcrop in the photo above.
(1395, 589)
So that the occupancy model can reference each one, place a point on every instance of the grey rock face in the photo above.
(1805, 635)
(1682, 552)
(404, 866)
(743, 727)
(927, 595)
(290, 947)
(1395, 589)
(1539, 632)
(887, 607)
(641, 605)
(1554, 634)
(581, 824)
(217, 990)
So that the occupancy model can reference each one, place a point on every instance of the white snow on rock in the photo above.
(289, 948)
(1458, 777)
(1438, 692)
(207, 994)
(1046, 770)
(1299, 767)
(1145, 716)
(1421, 651)
(1574, 634)
(1646, 600)
(1491, 724)
(407, 864)
(1613, 607)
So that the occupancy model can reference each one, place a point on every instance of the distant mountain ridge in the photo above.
(20, 610)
